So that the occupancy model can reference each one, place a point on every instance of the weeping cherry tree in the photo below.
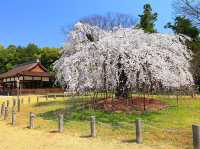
(96, 59)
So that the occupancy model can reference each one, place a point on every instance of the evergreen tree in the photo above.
(184, 26)
(148, 19)
(15, 55)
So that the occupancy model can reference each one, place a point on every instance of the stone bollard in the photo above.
(93, 126)
(2, 108)
(196, 136)
(29, 100)
(18, 105)
(54, 96)
(31, 120)
(60, 123)
(138, 124)
(13, 117)
(14, 102)
(7, 103)
(22, 101)
(6, 113)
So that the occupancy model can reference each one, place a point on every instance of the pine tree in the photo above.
(148, 19)
(184, 26)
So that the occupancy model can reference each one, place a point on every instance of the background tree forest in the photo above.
(14, 55)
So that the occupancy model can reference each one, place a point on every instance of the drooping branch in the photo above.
(154, 60)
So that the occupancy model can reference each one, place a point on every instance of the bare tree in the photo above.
(110, 20)
(188, 8)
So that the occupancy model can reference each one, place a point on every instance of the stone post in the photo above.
(31, 120)
(13, 117)
(61, 123)
(93, 126)
(138, 125)
(2, 108)
(6, 113)
(18, 105)
(196, 136)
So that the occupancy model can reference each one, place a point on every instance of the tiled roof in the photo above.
(25, 70)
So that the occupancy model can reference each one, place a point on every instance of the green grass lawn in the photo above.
(170, 127)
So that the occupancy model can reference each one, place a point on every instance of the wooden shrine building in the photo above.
(33, 78)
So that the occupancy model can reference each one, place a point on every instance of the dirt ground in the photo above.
(23, 138)
(123, 105)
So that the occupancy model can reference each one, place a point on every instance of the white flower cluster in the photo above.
(91, 56)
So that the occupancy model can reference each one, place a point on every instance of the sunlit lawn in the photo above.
(169, 127)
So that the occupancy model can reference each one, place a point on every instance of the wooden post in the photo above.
(2, 108)
(61, 123)
(47, 98)
(14, 102)
(138, 124)
(29, 100)
(8, 103)
(31, 120)
(18, 105)
(6, 113)
(93, 126)
(196, 136)
(13, 117)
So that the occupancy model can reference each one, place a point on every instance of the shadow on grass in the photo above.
(64, 102)
(49, 103)
(86, 136)
(116, 120)
(129, 141)
(74, 111)
(54, 131)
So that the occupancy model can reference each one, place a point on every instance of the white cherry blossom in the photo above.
(89, 59)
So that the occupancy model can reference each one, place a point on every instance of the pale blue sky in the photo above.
(41, 21)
